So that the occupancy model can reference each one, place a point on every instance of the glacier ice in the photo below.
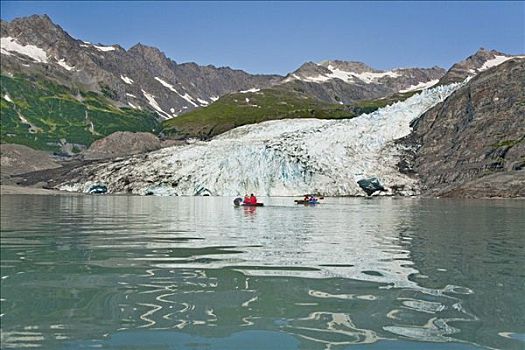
(277, 158)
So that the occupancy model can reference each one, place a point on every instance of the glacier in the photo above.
(286, 157)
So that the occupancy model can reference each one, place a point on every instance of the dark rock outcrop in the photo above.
(473, 143)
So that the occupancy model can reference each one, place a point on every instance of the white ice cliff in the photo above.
(277, 158)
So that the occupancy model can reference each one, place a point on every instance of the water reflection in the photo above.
(349, 271)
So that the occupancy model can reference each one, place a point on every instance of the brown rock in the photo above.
(20, 159)
(122, 143)
(474, 142)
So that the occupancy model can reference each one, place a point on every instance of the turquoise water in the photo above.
(122, 272)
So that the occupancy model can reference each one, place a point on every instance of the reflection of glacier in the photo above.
(337, 274)
(335, 240)
(283, 157)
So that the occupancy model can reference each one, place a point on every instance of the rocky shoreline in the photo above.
(25, 190)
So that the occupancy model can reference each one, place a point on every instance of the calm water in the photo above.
(195, 273)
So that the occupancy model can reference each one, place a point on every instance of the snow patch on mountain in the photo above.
(24, 120)
(203, 102)
(369, 77)
(291, 77)
(420, 86)
(134, 106)
(62, 62)
(7, 98)
(9, 45)
(496, 61)
(249, 90)
(166, 84)
(344, 75)
(279, 158)
(126, 79)
(188, 98)
(153, 103)
(104, 48)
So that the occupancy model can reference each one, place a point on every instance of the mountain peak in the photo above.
(479, 61)
(484, 53)
(34, 29)
(348, 66)
(43, 22)
(148, 53)
(141, 48)
(309, 69)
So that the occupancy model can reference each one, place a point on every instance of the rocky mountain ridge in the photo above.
(478, 62)
(141, 77)
(473, 143)
(345, 82)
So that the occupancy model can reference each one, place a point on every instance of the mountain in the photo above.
(345, 82)
(144, 78)
(473, 143)
(62, 94)
(330, 89)
(461, 139)
(44, 115)
(480, 61)
(141, 77)
(92, 90)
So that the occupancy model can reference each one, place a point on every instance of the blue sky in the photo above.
(277, 37)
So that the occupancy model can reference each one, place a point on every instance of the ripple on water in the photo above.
(125, 268)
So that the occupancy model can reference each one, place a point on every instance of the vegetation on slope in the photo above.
(44, 115)
(239, 109)
(41, 114)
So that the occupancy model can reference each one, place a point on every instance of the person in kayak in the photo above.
(306, 197)
(253, 199)
(246, 199)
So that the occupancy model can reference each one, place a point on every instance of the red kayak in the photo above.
(252, 204)
(239, 202)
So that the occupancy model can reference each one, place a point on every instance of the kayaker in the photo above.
(246, 199)
(306, 197)
(253, 199)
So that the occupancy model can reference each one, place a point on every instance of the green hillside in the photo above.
(39, 113)
(239, 109)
